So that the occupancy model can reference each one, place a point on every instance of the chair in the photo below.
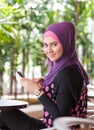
(66, 122)
(90, 108)
(52, 128)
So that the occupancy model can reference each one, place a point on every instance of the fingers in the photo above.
(38, 80)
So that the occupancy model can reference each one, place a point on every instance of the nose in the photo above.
(49, 49)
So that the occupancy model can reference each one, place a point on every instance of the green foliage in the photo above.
(22, 24)
(1, 92)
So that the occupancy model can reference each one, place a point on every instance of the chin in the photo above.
(53, 60)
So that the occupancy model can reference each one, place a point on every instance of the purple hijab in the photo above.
(65, 32)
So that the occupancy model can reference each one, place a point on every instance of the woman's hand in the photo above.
(31, 84)
(38, 80)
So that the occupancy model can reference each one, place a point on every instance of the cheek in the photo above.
(45, 51)
(60, 52)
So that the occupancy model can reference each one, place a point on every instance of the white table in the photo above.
(12, 104)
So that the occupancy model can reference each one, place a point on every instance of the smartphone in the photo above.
(20, 74)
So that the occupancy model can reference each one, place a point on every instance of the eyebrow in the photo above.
(49, 43)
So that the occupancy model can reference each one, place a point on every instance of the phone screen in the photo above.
(20, 74)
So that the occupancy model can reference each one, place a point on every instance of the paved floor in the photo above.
(35, 111)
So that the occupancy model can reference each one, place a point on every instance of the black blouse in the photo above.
(62, 98)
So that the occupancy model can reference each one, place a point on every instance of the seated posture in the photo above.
(63, 92)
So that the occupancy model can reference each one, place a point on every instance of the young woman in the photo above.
(63, 92)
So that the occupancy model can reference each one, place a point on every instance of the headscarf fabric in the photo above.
(64, 32)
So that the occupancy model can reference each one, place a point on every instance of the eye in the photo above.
(54, 44)
(45, 45)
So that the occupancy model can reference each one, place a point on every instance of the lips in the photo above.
(51, 56)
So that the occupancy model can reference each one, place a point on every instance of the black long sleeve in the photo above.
(68, 85)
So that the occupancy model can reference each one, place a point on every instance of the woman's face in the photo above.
(52, 49)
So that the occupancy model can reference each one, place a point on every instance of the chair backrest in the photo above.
(53, 128)
(66, 122)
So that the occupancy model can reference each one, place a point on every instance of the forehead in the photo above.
(49, 39)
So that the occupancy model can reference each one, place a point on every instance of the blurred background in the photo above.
(22, 23)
